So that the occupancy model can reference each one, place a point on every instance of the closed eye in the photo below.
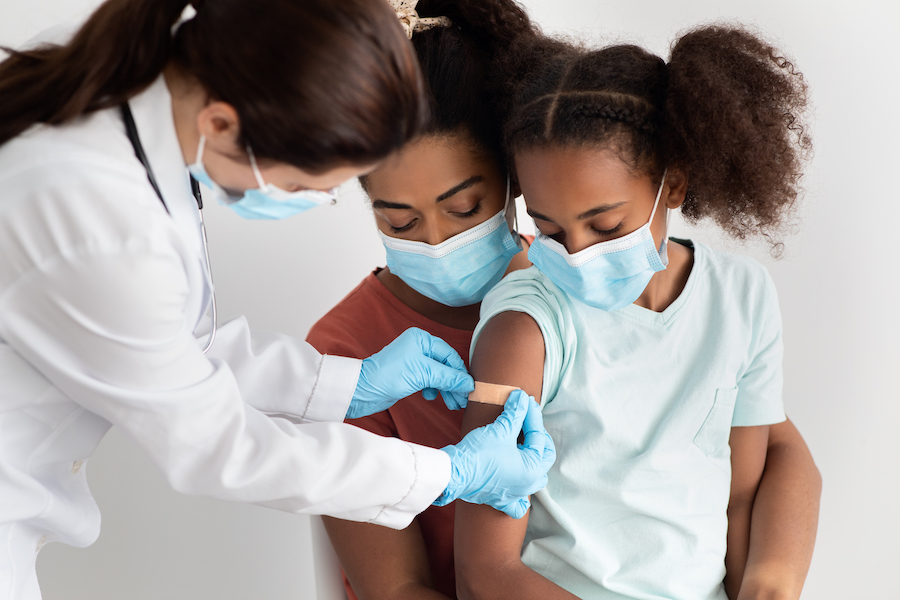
(606, 232)
(471, 213)
(402, 228)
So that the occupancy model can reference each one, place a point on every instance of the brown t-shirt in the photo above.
(369, 318)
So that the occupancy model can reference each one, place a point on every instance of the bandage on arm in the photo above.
(491, 393)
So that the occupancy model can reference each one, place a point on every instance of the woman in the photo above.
(104, 275)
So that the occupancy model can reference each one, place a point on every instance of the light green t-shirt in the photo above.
(640, 406)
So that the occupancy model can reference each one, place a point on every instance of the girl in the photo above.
(657, 361)
(448, 185)
(104, 276)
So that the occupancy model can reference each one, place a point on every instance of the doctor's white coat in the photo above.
(101, 292)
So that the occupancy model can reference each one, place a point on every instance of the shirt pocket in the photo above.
(716, 429)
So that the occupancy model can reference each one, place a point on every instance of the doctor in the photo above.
(104, 277)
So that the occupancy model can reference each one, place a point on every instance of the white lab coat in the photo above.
(101, 293)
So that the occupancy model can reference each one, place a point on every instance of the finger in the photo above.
(446, 379)
(533, 426)
(514, 411)
(455, 401)
(436, 348)
(549, 455)
(517, 509)
(430, 393)
(538, 485)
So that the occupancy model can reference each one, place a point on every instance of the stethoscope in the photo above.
(131, 130)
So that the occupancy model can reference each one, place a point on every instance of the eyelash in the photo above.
(464, 215)
(401, 229)
(472, 212)
(608, 231)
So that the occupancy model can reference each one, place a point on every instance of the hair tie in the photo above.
(410, 20)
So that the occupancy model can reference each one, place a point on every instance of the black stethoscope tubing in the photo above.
(134, 138)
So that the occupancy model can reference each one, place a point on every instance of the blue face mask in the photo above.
(607, 275)
(461, 270)
(265, 202)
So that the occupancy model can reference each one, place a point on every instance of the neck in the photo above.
(457, 317)
(666, 285)
(188, 99)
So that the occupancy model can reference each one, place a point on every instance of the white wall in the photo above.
(839, 284)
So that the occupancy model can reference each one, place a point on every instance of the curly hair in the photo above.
(728, 109)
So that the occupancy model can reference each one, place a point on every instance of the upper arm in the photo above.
(510, 351)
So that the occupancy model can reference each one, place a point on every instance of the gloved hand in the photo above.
(415, 361)
(488, 467)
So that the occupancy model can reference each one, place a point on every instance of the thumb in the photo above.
(514, 412)
(536, 437)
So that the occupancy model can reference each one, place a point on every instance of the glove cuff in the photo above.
(455, 487)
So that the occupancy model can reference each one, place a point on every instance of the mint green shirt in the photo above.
(640, 405)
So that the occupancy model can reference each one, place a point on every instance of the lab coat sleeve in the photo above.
(281, 375)
(106, 325)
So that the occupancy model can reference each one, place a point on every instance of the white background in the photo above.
(839, 285)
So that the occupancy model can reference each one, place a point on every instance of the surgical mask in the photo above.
(607, 275)
(461, 270)
(265, 202)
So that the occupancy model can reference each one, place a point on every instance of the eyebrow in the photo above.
(585, 215)
(380, 204)
(460, 187)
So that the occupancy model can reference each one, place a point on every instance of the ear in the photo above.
(219, 123)
(675, 190)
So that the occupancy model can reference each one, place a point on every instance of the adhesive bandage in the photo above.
(491, 393)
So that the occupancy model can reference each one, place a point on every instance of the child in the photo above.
(657, 362)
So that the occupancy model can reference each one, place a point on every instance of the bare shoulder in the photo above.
(509, 351)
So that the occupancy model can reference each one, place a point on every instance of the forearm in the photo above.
(512, 580)
(487, 547)
(381, 563)
(785, 518)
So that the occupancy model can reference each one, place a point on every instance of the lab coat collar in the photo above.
(152, 110)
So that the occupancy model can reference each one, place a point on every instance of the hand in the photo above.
(415, 361)
(488, 467)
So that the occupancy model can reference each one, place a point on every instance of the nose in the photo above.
(436, 232)
(577, 240)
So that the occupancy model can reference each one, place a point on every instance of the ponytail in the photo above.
(734, 114)
(315, 83)
(727, 109)
(119, 51)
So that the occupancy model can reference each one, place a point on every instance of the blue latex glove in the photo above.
(415, 361)
(488, 467)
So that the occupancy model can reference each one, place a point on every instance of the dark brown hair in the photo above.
(457, 61)
(727, 109)
(315, 83)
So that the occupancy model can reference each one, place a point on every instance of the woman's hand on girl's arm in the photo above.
(383, 563)
(488, 543)
(784, 521)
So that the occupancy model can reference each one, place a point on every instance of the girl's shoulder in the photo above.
(736, 280)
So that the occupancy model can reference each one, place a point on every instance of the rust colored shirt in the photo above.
(369, 318)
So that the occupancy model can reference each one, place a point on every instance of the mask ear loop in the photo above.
(663, 245)
(510, 206)
(658, 196)
(256, 173)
